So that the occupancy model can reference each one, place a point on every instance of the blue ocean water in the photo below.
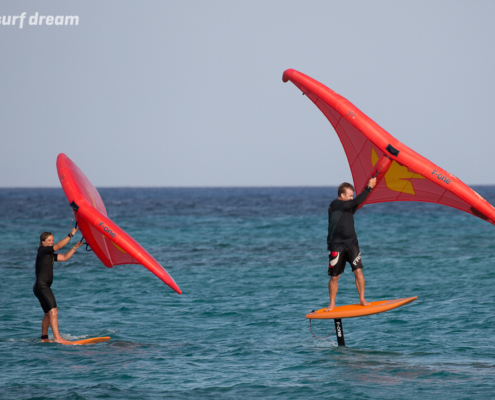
(251, 263)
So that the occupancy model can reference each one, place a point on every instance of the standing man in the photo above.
(44, 278)
(342, 242)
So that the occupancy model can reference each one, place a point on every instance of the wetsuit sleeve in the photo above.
(46, 250)
(55, 256)
(354, 204)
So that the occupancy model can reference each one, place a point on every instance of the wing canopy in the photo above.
(111, 244)
(403, 174)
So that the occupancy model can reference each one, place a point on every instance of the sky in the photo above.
(190, 93)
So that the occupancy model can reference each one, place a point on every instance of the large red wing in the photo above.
(111, 244)
(399, 183)
(410, 177)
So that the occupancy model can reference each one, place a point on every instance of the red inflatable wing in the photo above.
(111, 244)
(402, 174)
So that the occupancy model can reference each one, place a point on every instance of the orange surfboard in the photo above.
(89, 341)
(357, 310)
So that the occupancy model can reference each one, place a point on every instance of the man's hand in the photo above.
(372, 183)
(77, 245)
(74, 230)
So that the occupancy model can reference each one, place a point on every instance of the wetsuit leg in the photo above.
(45, 297)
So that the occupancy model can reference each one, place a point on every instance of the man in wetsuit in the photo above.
(342, 242)
(44, 278)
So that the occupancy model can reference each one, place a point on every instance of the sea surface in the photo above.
(251, 262)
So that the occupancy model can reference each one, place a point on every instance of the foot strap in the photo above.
(44, 336)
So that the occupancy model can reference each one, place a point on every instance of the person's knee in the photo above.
(335, 279)
(359, 273)
(53, 312)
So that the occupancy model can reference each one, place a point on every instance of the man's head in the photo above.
(346, 191)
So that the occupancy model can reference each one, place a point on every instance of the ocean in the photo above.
(251, 263)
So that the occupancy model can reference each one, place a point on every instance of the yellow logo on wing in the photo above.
(120, 249)
(397, 177)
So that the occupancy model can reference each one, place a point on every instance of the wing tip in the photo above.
(288, 74)
(175, 288)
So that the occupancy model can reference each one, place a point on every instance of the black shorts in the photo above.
(46, 297)
(337, 260)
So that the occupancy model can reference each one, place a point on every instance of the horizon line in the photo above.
(200, 187)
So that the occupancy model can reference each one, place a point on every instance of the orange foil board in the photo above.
(357, 310)
(90, 341)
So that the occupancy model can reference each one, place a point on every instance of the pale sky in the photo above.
(190, 93)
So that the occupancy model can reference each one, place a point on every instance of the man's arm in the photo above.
(70, 253)
(65, 240)
(348, 205)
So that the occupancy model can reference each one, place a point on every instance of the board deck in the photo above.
(89, 341)
(357, 310)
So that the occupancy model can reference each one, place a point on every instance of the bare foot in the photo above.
(46, 341)
(62, 340)
(363, 302)
(330, 307)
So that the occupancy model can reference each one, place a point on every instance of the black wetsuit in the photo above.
(44, 277)
(342, 242)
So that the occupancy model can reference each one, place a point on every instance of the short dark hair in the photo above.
(44, 236)
(343, 187)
